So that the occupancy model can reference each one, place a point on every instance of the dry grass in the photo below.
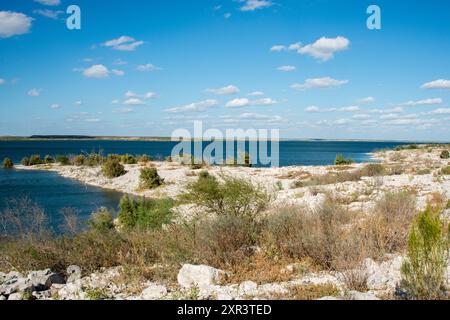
(307, 292)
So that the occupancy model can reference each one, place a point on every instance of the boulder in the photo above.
(248, 288)
(383, 276)
(191, 276)
(2, 298)
(15, 296)
(153, 291)
(74, 273)
(44, 279)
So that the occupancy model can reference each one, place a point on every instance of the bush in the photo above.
(94, 159)
(101, 221)
(340, 160)
(231, 196)
(25, 161)
(113, 169)
(445, 154)
(128, 159)
(373, 170)
(144, 159)
(389, 225)
(144, 213)
(150, 178)
(63, 160)
(423, 271)
(35, 160)
(79, 160)
(49, 159)
(445, 170)
(8, 164)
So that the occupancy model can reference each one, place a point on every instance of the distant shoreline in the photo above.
(168, 139)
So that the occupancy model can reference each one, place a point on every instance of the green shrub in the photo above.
(445, 170)
(25, 161)
(341, 160)
(113, 169)
(128, 159)
(49, 159)
(8, 164)
(94, 159)
(144, 213)
(445, 154)
(373, 170)
(423, 271)
(230, 196)
(150, 178)
(35, 160)
(144, 159)
(101, 221)
(63, 160)
(79, 160)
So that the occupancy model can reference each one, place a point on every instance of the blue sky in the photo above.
(310, 68)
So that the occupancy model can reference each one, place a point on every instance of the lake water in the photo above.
(53, 192)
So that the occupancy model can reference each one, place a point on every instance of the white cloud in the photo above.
(115, 101)
(78, 103)
(34, 92)
(49, 2)
(350, 109)
(287, 68)
(264, 102)
(367, 100)
(312, 109)
(96, 71)
(441, 111)
(55, 106)
(252, 5)
(196, 106)
(224, 91)
(133, 102)
(2, 81)
(227, 15)
(256, 93)
(117, 72)
(361, 116)
(381, 111)
(325, 48)
(124, 110)
(147, 67)
(120, 62)
(244, 102)
(295, 46)
(238, 103)
(325, 82)
(14, 23)
(52, 14)
(425, 102)
(92, 120)
(147, 95)
(342, 121)
(277, 48)
(123, 43)
(437, 84)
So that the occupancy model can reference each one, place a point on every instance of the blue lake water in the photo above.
(53, 192)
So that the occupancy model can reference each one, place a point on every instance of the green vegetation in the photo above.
(63, 160)
(101, 221)
(79, 160)
(128, 159)
(341, 160)
(150, 178)
(35, 160)
(445, 170)
(423, 272)
(113, 169)
(445, 154)
(7, 163)
(145, 213)
(25, 161)
(49, 159)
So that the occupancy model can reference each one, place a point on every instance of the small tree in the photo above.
(63, 160)
(113, 169)
(424, 269)
(35, 159)
(49, 159)
(341, 160)
(150, 178)
(25, 161)
(445, 154)
(8, 164)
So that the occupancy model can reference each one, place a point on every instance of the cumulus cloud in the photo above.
(248, 116)
(425, 102)
(367, 100)
(147, 67)
(34, 92)
(133, 102)
(437, 84)
(321, 83)
(195, 107)
(123, 43)
(117, 72)
(2, 81)
(312, 109)
(52, 14)
(252, 5)
(244, 102)
(78, 103)
(14, 23)
(124, 110)
(315, 109)
(325, 48)
(441, 111)
(256, 93)
(287, 68)
(49, 2)
(55, 106)
(147, 95)
(100, 71)
(278, 48)
(224, 91)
